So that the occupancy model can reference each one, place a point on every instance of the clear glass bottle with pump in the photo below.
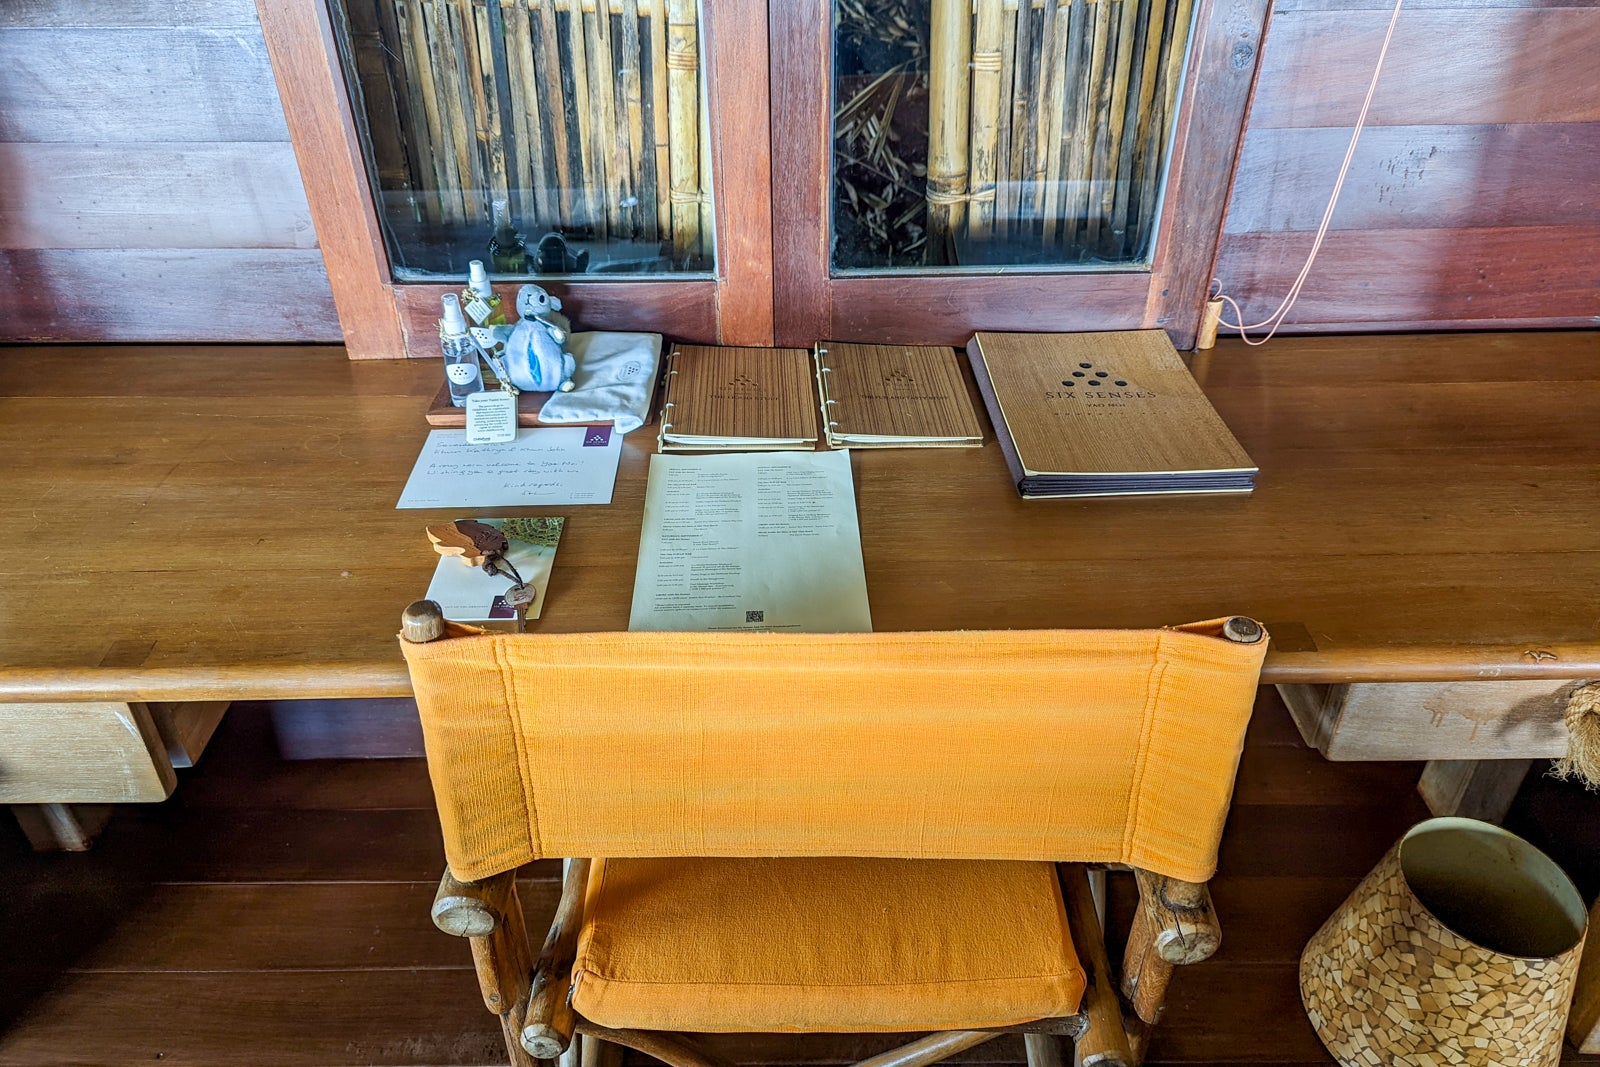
(507, 250)
(461, 367)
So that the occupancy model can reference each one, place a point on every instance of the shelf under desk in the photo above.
(197, 523)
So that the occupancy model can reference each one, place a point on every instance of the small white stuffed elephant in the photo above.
(536, 355)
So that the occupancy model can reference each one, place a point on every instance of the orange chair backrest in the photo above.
(1104, 745)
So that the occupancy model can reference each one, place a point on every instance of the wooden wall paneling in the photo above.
(1420, 177)
(1482, 278)
(153, 294)
(105, 14)
(1445, 67)
(305, 62)
(946, 308)
(232, 194)
(126, 85)
(1223, 64)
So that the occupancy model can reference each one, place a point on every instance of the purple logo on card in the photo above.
(597, 437)
(499, 609)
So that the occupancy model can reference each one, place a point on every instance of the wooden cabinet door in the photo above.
(632, 134)
(1004, 165)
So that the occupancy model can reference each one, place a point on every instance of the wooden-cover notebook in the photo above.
(1104, 414)
(738, 398)
(894, 396)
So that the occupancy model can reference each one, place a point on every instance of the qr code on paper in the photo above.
(755, 616)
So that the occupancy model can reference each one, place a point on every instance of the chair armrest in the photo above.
(1174, 925)
(473, 909)
(547, 1027)
(1183, 922)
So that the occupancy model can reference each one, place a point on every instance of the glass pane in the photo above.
(545, 137)
(981, 134)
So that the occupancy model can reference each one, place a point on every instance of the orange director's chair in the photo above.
(857, 832)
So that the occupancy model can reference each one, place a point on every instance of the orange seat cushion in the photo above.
(794, 944)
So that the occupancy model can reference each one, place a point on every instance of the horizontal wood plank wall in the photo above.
(148, 190)
(1473, 200)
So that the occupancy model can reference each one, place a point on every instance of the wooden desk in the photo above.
(187, 524)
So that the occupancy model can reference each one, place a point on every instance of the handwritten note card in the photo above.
(545, 465)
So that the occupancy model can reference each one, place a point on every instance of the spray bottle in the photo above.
(461, 369)
(479, 300)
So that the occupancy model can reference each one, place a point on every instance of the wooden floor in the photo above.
(277, 912)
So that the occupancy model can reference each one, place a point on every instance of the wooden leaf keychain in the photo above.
(478, 544)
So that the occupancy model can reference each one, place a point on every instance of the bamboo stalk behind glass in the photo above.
(463, 55)
(1104, 104)
(1073, 109)
(443, 150)
(1178, 13)
(528, 116)
(1173, 72)
(949, 82)
(1149, 77)
(1004, 187)
(658, 97)
(444, 48)
(408, 109)
(549, 97)
(988, 40)
(1024, 82)
(683, 112)
(1025, 129)
(1110, 165)
(1156, 124)
(579, 116)
(609, 180)
(630, 98)
(485, 63)
(1094, 38)
(1127, 170)
(1057, 89)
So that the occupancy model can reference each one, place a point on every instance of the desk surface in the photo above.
(203, 522)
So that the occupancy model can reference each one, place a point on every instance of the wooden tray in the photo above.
(443, 414)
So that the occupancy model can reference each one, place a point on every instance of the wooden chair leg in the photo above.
(489, 915)
(1044, 1050)
(1105, 1042)
(596, 1052)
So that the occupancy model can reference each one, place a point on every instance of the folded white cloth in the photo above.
(614, 382)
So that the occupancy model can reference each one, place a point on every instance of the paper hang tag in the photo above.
(479, 310)
(491, 417)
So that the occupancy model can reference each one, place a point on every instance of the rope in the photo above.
(1582, 761)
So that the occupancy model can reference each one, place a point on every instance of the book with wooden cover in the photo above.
(894, 396)
(1104, 414)
(739, 399)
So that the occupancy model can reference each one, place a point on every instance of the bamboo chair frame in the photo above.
(1173, 925)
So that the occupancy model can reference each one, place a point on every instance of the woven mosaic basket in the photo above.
(1460, 947)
